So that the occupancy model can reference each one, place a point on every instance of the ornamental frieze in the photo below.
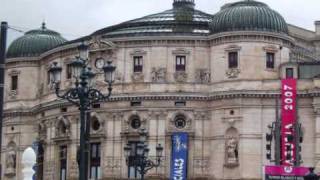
(159, 75)
(233, 73)
(203, 76)
(180, 76)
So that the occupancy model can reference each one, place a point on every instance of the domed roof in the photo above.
(34, 43)
(182, 19)
(248, 15)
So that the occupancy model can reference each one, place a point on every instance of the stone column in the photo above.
(317, 137)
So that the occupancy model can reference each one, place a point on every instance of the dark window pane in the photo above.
(14, 82)
(69, 71)
(137, 64)
(95, 160)
(233, 59)
(132, 169)
(63, 162)
(40, 160)
(48, 77)
(289, 72)
(180, 63)
(270, 60)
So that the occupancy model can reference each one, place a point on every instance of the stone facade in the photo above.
(225, 109)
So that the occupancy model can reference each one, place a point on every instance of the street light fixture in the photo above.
(140, 158)
(82, 95)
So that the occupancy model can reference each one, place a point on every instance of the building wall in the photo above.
(239, 104)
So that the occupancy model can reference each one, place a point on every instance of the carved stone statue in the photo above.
(232, 150)
(158, 74)
(10, 162)
(62, 127)
(203, 76)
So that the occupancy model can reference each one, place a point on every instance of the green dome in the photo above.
(34, 43)
(248, 15)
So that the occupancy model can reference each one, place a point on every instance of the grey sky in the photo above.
(75, 18)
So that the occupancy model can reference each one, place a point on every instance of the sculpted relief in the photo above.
(203, 76)
(158, 74)
(10, 161)
(232, 148)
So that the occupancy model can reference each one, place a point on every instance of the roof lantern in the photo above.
(183, 4)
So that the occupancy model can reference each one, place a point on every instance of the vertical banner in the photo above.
(179, 161)
(288, 116)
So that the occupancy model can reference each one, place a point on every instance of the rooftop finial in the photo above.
(43, 25)
(183, 3)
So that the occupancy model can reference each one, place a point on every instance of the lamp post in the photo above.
(139, 157)
(82, 95)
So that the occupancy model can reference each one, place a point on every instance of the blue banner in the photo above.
(179, 161)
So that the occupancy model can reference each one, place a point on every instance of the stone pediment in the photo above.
(97, 44)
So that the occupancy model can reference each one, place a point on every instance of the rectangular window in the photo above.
(63, 162)
(95, 156)
(14, 83)
(270, 60)
(289, 73)
(233, 59)
(137, 63)
(180, 63)
(132, 169)
(69, 71)
(40, 160)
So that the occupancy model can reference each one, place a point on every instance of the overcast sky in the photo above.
(75, 18)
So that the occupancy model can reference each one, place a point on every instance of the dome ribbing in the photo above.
(34, 43)
(182, 19)
(248, 15)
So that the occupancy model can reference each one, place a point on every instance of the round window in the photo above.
(180, 122)
(135, 123)
(95, 124)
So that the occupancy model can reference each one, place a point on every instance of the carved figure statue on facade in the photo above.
(10, 162)
(232, 150)
(158, 74)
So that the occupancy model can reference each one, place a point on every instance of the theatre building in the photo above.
(213, 77)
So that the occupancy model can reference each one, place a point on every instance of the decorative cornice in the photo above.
(255, 36)
(169, 97)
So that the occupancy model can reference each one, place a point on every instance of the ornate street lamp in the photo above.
(82, 95)
(140, 158)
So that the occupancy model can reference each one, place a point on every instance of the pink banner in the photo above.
(288, 116)
(286, 171)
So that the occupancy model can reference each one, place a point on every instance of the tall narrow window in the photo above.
(40, 159)
(48, 77)
(95, 156)
(69, 71)
(289, 73)
(233, 59)
(180, 63)
(132, 169)
(63, 162)
(270, 60)
(14, 83)
(137, 63)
